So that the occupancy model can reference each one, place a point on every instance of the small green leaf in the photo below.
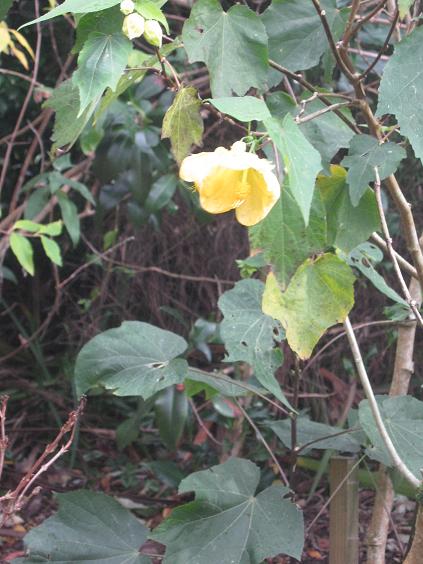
(232, 44)
(364, 155)
(348, 226)
(88, 527)
(219, 382)
(249, 335)
(101, 63)
(23, 251)
(403, 418)
(404, 6)
(284, 237)
(401, 88)
(308, 431)
(244, 108)
(228, 523)
(161, 193)
(182, 122)
(302, 161)
(171, 407)
(363, 257)
(27, 225)
(135, 359)
(70, 217)
(320, 294)
(52, 250)
(76, 7)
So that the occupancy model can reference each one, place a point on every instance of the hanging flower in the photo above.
(133, 26)
(233, 179)
(153, 33)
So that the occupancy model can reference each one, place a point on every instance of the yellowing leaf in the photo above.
(320, 294)
(21, 39)
(182, 122)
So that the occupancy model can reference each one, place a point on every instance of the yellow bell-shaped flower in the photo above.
(233, 179)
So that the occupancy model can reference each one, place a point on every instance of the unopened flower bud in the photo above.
(133, 26)
(127, 7)
(153, 33)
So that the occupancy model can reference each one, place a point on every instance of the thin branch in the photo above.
(4, 441)
(319, 113)
(308, 86)
(264, 442)
(389, 445)
(384, 46)
(353, 30)
(341, 63)
(385, 229)
(405, 265)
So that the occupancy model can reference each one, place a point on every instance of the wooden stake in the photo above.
(343, 530)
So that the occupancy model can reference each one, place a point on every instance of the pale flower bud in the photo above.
(153, 33)
(133, 26)
(127, 7)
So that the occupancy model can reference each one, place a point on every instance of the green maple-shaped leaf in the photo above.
(284, 238)
(297, 39)
(88, 527)
(182, 122)
(243, 108)
(101, 62)
(69, 123)
(348, 226)
(401, 89)
(136, 359)
(403, 418)
(249, 334)
(232, 44)
(302, 161)
(364, 155)
(320, 294)
(227, 523)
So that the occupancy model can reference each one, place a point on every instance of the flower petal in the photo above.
(264, 193)
(220, 191)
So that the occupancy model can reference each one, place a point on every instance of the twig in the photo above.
(381, 243)
(201, 423)
(319, 113)
(382, 50)
(353, 30)
(4, 441)
(265, 443)
(391, 252)
(308, 86)
(389, 445)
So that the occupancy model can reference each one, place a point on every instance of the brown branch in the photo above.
(4, 441)
(384, 46)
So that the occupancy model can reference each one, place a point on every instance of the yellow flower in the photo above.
(233, 179)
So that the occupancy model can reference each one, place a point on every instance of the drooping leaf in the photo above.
(183, 123)
(70, 216)
(308, 431)
(68, 123)
(363, 257)
(171, 407)
(101, 62)
(227, 522)
(302, 161)
(249, 335)
(320, 294)
(232, 44)
(76, 7)
(88, 527)
(220, 382)
(297, 39)
(403, 418)
(52, 250)
(135, 359)
(242, 108)
(283, 237)
(364, 155)
(401, 89)
(348, 226)
(23, 251)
